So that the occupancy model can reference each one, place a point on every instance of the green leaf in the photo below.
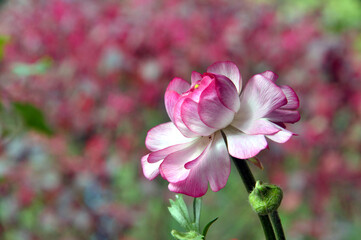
(191, 235)
(179, 212)
(197, 205)
(32, 117)
(206, 228)
(38, 68)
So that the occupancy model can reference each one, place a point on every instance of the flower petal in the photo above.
(170, 100)
(163, 136)
(178, 121)
(270, 75)
(196, 76)
(192, 120)
(150, 170)
(281, 137)
(161, 154)
(228, 69)
(212, 166)
(211, 110)
(227, 93)
(255, 127)
(262, 96)
(292, 99)
(178, 85)
(173, 167)
(243, 146)
(285, 116)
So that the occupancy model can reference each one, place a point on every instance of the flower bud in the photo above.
(265, 198)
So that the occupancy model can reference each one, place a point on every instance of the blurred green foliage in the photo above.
(3, 41)
(37, 68)
(32, 117)
(336, 16)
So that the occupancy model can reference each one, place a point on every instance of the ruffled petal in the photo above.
(292, 99)
(213, 167)
(173, 167)
(285, 116)
(163, 136)
(178, 85)
(178, 121)
(150, 170)
(270, 75)
(212, 111)
(196, 76)
(281, 137)
(262, 96)
(192, 120)
(228, 69)
(170, 100)
(244, 146)
(227, 93)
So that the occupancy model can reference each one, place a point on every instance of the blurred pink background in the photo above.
(96, 72)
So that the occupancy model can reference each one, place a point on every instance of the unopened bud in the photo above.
(265, 198)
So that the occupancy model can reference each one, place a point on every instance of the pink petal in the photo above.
(244, 146)
(212, 166)
(254, 127)
(178, 121)
(196, 76)
(190, 187)
(173, 167)
(262, 96)
(150, 170)
(170, 100)
(178, 85)
(281, 137)
(227, 93)
(211, 110)
(270, 75)
(163, 136)
(292, 99)
(228, 69)
(285, 116)
(192, 120)
(161, 154)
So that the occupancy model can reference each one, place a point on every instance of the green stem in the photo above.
(249, 183)
(276, 221)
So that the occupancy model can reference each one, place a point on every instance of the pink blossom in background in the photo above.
(190, 152)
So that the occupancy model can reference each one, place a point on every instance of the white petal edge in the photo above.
(228, 69)
(243, 146)
(150, 170)
(163, 136)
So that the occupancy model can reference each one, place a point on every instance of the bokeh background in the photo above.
(81, 82)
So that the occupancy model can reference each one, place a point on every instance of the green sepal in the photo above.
(191, 235)
(179, 211)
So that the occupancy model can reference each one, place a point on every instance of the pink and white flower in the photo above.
(212, 118)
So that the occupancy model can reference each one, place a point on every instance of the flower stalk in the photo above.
(276, 221)
(249, 183)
